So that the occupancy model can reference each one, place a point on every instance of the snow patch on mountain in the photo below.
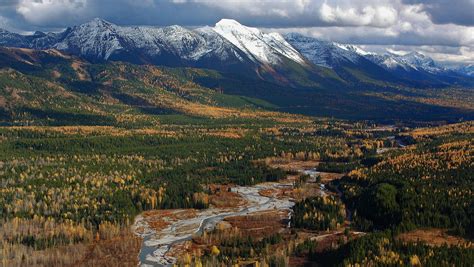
(227, 41)
(101, 39)
(218, 45)
(258, 46)
(423, 62)
(464, 69)
(95, 38)
(390, 62)
(353, 48)
(228, 44)
(12, 39)
(324, 53)
(413, 61)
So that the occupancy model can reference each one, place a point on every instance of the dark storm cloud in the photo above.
(54, 14)
(45, 14)
(459, 12)
(262, 13)
(8, 3)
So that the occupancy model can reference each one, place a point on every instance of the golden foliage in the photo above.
(215, 251)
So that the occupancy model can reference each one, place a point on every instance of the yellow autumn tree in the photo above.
(215, 251)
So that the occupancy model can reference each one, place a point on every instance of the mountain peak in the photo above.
(419, 60)
(353, 48)
(325, 53)
(258, 46)
(227, 22)
(416, 54)
(297, 35)
(176, 28)
(98, 22)
(39, 34)
(233, 26)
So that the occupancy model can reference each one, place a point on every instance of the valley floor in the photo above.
(283, 193)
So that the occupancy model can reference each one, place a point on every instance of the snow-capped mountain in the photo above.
(102, 40)
(421, 61)
(227, 44)
(97, 38)
(420, 69)
(323, 53)
(347, 61)
(390, 62)
(230, 46)
(352, 63)
(413, 61)
(266, 48)
(465, 69)
(12, 39)
(333, 55)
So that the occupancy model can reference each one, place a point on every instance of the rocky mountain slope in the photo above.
(227, 46)
(228, 43)
(467, 69)
(231, 47)
(413, 69)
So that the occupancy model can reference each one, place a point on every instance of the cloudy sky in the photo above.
(443, 29)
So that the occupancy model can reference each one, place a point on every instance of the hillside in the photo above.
(50, 87)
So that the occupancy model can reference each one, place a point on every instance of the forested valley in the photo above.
(99, 160)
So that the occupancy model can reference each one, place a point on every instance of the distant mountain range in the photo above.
(465, 69)
(413, 68)
(227, 46)
(232, 47)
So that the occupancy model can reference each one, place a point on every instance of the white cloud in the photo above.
(443, 54)
(4, 22)
(7, 24)
(47, 11)
(378, 16)
(335, 13)
(465, 54)
(447, 12)
(283, 8)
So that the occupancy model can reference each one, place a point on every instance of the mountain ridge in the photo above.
(291, 59)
